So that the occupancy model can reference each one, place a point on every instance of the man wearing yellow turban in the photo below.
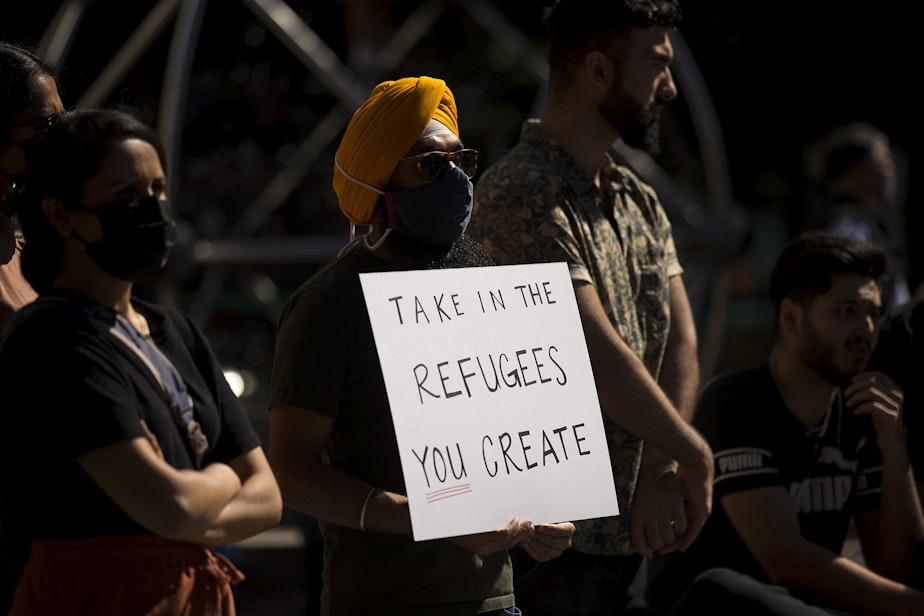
(379, 135)
(401, 169)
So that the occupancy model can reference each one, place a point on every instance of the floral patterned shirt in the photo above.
(538, 205)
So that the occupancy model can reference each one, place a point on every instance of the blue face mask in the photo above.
(437, 213)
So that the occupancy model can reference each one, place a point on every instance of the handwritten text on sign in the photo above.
(492, 397)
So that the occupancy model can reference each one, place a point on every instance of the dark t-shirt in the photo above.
(830, 473)
(326, 361)
(70, 389)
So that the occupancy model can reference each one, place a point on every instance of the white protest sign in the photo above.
(492, 397)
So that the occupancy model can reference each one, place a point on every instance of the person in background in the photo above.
(805, 444)
(402, 170)
(900, 354)
(126, 458)
(29, 101)
(563, 193)
(860, 186)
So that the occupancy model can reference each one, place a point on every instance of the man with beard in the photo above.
(563, 193)
(805, 444)
(402, 170)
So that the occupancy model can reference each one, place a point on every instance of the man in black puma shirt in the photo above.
(805, 443)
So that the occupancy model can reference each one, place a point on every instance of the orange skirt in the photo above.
(125, 576)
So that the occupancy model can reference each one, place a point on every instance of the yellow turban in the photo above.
(380, 133)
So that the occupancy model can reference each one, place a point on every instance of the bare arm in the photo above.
(255, 508)
(629, 395)
(679, 376)
(176, 504)
(297, 438)
(765, 520)
(891, 534)
(659, 518)
(671, 503)
(296, 441)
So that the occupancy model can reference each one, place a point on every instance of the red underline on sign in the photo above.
(438, 495)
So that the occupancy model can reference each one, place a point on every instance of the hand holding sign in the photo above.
(492, 397)
(494, 541)
(548, 541)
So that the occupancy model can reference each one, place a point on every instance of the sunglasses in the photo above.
(432, 164)
(40, 124)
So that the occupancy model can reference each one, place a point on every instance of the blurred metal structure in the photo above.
(708, 240)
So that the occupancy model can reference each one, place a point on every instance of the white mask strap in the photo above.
(374, 247)
(356, 180)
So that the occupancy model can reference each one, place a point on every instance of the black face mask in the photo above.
(138, 235)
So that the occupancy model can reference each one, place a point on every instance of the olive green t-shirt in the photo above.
(326, 361)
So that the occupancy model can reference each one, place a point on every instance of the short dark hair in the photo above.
(66, 156)
(804, 268)
(577, 27)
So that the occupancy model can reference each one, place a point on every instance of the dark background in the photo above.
(778, 75)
